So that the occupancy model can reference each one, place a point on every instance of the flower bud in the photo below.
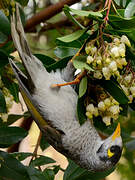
(115, 52)
(89, 115)
(90, 59)
(101, 106)
(114, 109)
(107, 120)
(97, 75)
(113, 66)
(90, 108)
(125, 40)
(106, 73)
(107, 102)
(132, 89)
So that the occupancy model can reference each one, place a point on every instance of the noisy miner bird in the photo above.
(54, 110)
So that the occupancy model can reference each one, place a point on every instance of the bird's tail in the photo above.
(31, 63)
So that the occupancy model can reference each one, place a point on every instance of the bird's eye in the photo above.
(110, 153)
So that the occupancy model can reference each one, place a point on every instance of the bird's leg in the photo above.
(75, 81)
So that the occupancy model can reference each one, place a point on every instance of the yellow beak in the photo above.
(117, 132)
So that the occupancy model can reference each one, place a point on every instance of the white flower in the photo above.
(90, 59)
(106, 73)
(89, 115)
(123, 61)
(132, 89)
(90, 108)
(107, 102)
(113, 66)
(128, 78)
(4, 117)
(93, 50)
(114, 109)
(87, 49)
(121, 51)
(125, 89)
(108, 60)
(116, 41)
(107, 120)
(96, 112)
(115, 52)
(97, 75)
(130, 97)
(125, 40)
(101, 106)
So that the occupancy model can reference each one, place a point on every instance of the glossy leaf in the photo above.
(49, 174)
(82, 87)
(23, 2)
(14, 90)
(21, 155)
(11, 135)
(130, 9)
(3, 59)
(130, 145)
(74, 172)
(72, 37)
(43, 143)
(114, 90)
(42, 160)
(13, 118)
(3, 38)
(34, 174)
(81, 110)
(120, 22)
(11, 168)
(46, 60)
(80, 63)
(58, 64)
(62, 52)
(2, 103)
(4, 24)
(84, 13)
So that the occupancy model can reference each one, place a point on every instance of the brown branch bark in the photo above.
(47, 13)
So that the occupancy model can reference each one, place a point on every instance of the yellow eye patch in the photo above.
(109, 153)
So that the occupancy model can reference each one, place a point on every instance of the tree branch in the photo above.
(47, 13)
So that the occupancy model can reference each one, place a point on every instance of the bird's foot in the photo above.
(75, 81)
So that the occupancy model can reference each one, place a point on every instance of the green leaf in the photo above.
(23, 2)
(74, 172)
(58, 64)
(114, 90)
(81, 110)
(130, 9)
(83, 87)
(34, 174)
(13, 118)
(46, 60)
(42, 160)
(11, 135)
(21, 155)
(3, 59)
(4, 24)
(84, 13)
(14, 90)
(73, 44)
(80, 63)
(43, 143)
(130, 145)
(11, 168)
(49, 174)
(119, 22)
(72, 37)
(3, 38)
(62, 52)
(2, 103)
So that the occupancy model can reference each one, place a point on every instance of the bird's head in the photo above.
(110, 150)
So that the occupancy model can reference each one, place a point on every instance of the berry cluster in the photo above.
(5, 4)
(107, 60)
(127, 83)
(107, 109)
(9, 100)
